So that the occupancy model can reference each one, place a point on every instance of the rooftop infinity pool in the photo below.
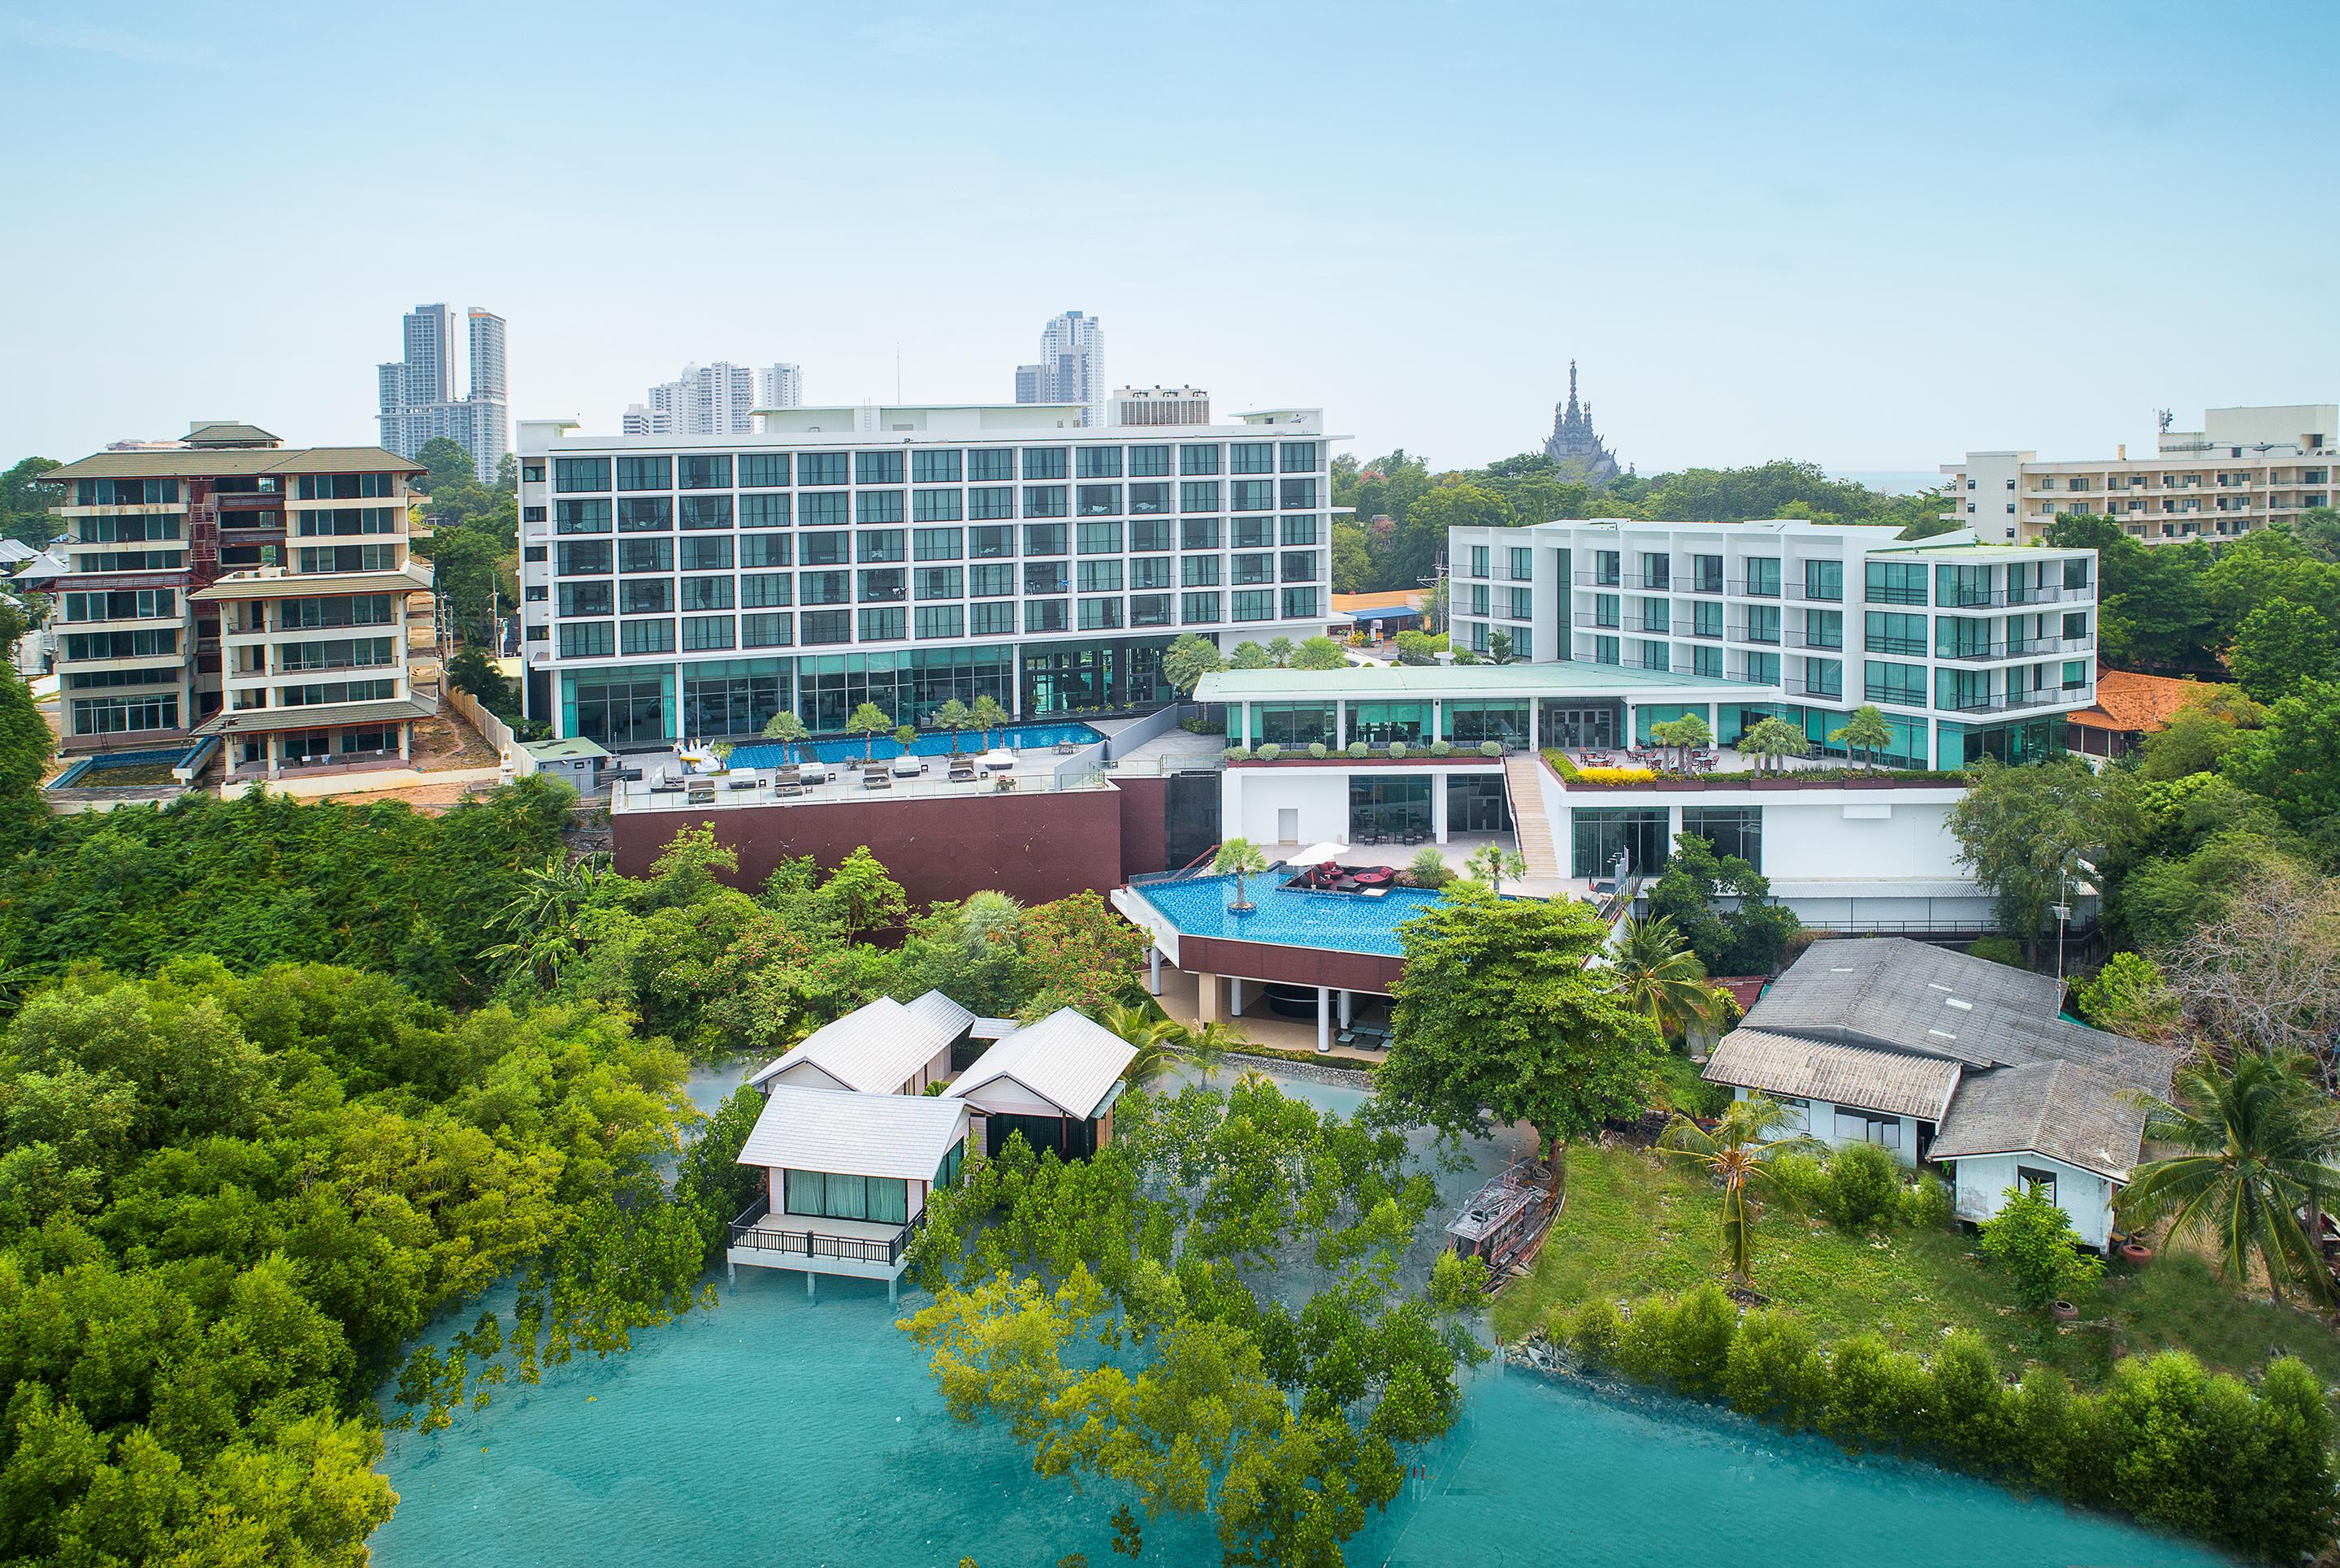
(1341, 922)
(1013, 737)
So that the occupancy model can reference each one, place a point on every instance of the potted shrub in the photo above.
(1238, 753)
(1359, 749)
(1440, 748)
(1269, 752)
(1491, 749)
(1397, 749)
(1318, 749)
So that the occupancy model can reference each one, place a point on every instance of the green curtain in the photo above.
(849, 1197)
(807, 1191)
(889, 1200)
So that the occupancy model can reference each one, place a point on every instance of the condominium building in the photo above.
(2243, 468)
(716, 399)
(1071, 369)
(693, 587)
(422, 398)
(1969, 649)
(780, 386)
(239, 588)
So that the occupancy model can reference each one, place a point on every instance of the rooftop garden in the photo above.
(1363, 752)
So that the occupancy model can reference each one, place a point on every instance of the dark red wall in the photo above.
(1036, 846)
(1144, 825)
(1292, 966)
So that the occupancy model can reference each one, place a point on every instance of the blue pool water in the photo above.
(81, 773)
(1341, 922)
(1014, 737)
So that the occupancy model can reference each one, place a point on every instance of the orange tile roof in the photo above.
(1411, 598)
(2130, 702)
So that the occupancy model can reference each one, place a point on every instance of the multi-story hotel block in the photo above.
(2246, 468)
(1969, 649)
(678, 588)
(231, 586)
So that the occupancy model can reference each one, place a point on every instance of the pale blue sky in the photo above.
(1874, 235)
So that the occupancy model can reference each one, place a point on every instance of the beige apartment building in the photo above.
(2243, 468)
(229, 586)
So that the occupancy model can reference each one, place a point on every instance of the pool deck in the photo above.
(1180, 1000)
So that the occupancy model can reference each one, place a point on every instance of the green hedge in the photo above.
(2250, 1469)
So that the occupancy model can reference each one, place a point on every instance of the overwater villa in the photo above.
(1944, 1059)
(885, 1047)
(1055, 1082)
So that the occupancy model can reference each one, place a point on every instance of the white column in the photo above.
(1535, 723)
(1348, 999)
(1153, 971)
(1324, 1017)
(1340, 723)
(1235, 995)
(1437, 721)
(1438, 806)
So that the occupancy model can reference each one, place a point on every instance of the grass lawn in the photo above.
(1635, 1223)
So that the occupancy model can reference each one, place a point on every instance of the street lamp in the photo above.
(2064, 885)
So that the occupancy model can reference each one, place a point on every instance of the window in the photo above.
(1044, 615)
(570, 475)
(1197, 460)
(1300, 604)
(991, 465)
(587, 599)
(822, 549)
(882, 585)
(1764, 623)
(1824, 678)
(1198, 533)
(999, 501)
(1099, 614)
(122, 715)
(1895, 583)
(702, 633)
(313, 487)
(645, 473)
(1860, 1126)
(764, 550)
(993, 619)
(985, 543)
(876, 468)
(1824, 629)
(1252, 457)
(1198, 571)
(1252, 533)
(763, 469)
(938, 620)
(1299, 530)
(934, 468)
(645, 555)
(877, 506)
(990, 581)
(1963, 586)
(935, 506)
(1251, 495)
(1299, 566)
(1046, 576)
(707, 511)
(884, 625)
(645, 637)
(1044, 463)
(1599, 834)
(880, 544)
(1299, 494)
(1146, 536)
(1198, 495)
(1100, 577)
(1732, 831)
(1044, 539)
(760, 510)
(1254, 604)
(710, 554)
(588, 639)
(820, 468)
(1198, 608)
(824, 509)
(2075, 674)
(1901, 683)
(647, 596)
(1098, 501)
(1044, 500)
(936, 543)
(765, 590)
(767, 630)
(705, 470)
(1479, 556)
(825, 587)
(578, 517)
(1150, 572)
(1824, 579)
(821, 627)
(645, 514)
(1149, 461)
(1763, 576)
(1251, 568)
(583, 559)
(1149, 610)
(2037, 1181)
(1096, 462)
(1300, 457)
(938, 582)
(1148, 499)
(882, 1200)
(1887, 632)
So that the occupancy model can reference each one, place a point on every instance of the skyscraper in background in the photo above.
(719, 399)
(780, 386)
(1071, 367)
(421, 401)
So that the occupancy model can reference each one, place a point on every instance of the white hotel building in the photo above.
(1969, 649)
(692, 587)
(2243, 468)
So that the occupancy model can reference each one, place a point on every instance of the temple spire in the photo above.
(1573, 445)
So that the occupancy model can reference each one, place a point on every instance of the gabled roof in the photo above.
(229, 433)
(878, 1047)
(2133, 703)
(205, 463)
(2054, 1108)
(1898, 1083)
(13, 550)
(901, 1136)
(1065, 1059)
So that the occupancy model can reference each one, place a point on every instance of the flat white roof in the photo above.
(901, 1135)
(1067, 1059)
(878, 1047)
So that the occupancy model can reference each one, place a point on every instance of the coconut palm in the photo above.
(789, 732)
(1738, 1152)
(1143, 1028)
(1661, 978)
(952, 718)
(2255, 1147)
(869, 721)
(987, 716)
(1243, 859)
(1206, 1044)
(540, 923)
(1771, 740)
(1491, 863)
(1866, 732)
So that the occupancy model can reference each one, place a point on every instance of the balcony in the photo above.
(2055, 595)
(1585, 618)
(1692, 628)
(2011, 702)
(1597, 579)
(1761, 636)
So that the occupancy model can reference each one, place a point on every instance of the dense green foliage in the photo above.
(2183, 607)
(1749, 939)
(474, 552)
(1403, 510)
(265, 879)
(24, 501)
(1113, 1314)
(226, 1200)
(2033, 1240)
(2250, 1468)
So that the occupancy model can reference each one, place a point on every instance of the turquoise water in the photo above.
(1343, 922)
(778, 1430)
(1014, 737)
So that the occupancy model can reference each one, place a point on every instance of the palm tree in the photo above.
(1865, 732)
(1205, 1044)
(1144, 1029)
(1739, 1153)
(1491, 863)
(986, 715)
(540, 922)
(2255, 1148)
(1243, 859)
(868, 721)
(1660, 979)
(789, 732)
(1771, 741)
(951, 719)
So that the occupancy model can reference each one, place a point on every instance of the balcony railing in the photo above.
(1597, 579)
(2009, 702)
(2055, 595)
(1692, 628)
(747, 1231)
(1589, 618)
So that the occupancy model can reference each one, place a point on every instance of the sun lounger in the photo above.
(876, 778)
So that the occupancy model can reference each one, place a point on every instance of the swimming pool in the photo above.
(1341, 922)
(933, 743)
(89, 772)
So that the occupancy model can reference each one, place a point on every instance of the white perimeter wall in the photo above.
(1863, 836)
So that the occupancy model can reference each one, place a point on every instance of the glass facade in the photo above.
(1731, 829)
(1599, 834)
(1389, 809)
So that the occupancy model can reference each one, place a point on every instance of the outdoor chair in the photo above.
(876, 778)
